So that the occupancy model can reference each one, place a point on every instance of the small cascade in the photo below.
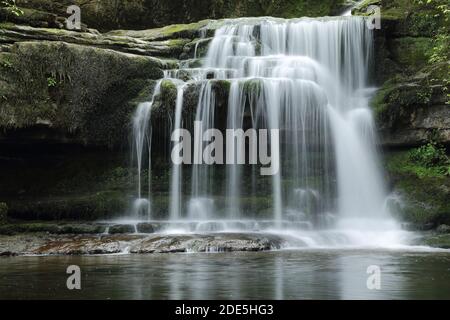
(142, 149)
(175, 191)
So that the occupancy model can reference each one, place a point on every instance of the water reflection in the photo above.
(272, 275)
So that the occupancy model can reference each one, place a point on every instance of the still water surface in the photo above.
(294, 274)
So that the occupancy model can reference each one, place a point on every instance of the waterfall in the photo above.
(305, 77)
(142, 149)
(175, 194)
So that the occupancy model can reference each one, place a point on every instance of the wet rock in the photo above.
(121, 228)
(220, 242)
(3, 212)
(145, 227)
(438, 241)
(108, 244)
(80, 245)
(51, 228)
(7, 254)
(443, 228)
(81, 229)
(75, 89)
(22, 244)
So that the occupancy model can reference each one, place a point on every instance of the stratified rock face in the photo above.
(412, 102)
(74, 88)
(84, 85)
(410, 113)
(145, 14)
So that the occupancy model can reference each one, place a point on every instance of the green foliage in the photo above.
(6, 63)
(12, 7)
(440, 52)
(431, 155)
(425, 190)
(402, 164)
(51, 82)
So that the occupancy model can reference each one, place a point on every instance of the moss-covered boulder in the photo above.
(32, 17)
(145, 227)
(424, 191)
(76, 89)
(412, 109)
(443, 228)
(438, 241)
(121, 228)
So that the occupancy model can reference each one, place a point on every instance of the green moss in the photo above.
(396, 101)
(438, 241)
(411, 52)
(93, 92)
(222, 85)
(401, 163)
(253, 86)
(431, 156)
(168, 95)
(425, 190)
(177, 30)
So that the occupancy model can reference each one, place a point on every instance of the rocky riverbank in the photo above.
(51, 244)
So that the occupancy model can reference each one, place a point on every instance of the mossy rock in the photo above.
(163, 107)
(124, 14)
(438, 241)
(3, 213)
(121, 228)
(411, 52)
(196, 49)
(76, 89)
(443, 228)
(98, 206)
(411, 109)
(403, 17)
(32, 17)
(52, 228)
(145, 227)
(424, 191)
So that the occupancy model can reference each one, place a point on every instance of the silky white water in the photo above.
(307, 78)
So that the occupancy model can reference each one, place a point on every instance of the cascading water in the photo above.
(307, 78)
(142, 147)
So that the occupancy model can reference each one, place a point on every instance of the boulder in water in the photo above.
(121, 228)
(145, 227)
(443, 228)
